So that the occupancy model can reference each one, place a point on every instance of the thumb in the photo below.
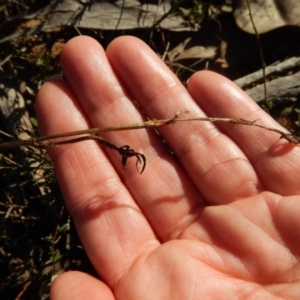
(77, 285)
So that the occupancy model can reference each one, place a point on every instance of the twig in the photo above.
(125, 151)
(268, 104)
(5, 60)
(8, 160)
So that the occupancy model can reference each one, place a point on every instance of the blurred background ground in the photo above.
(38, 239)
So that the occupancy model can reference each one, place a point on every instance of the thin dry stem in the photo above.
(125, 151)
(49, 140)
(261, 54)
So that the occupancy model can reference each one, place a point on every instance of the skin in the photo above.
(220, 222)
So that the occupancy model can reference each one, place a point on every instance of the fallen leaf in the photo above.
(197, 52)
(267, 14)
(177, 50)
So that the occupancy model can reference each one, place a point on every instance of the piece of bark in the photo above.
(104, 15)
(280, 86)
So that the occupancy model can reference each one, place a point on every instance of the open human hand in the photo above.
(219, 221)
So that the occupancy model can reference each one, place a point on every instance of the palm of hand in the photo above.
(212, 224)
(236, 256)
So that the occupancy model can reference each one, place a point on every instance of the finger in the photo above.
(216, 165)
(163, 187)
(274, 160)
(77, 285)
(109, 223)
